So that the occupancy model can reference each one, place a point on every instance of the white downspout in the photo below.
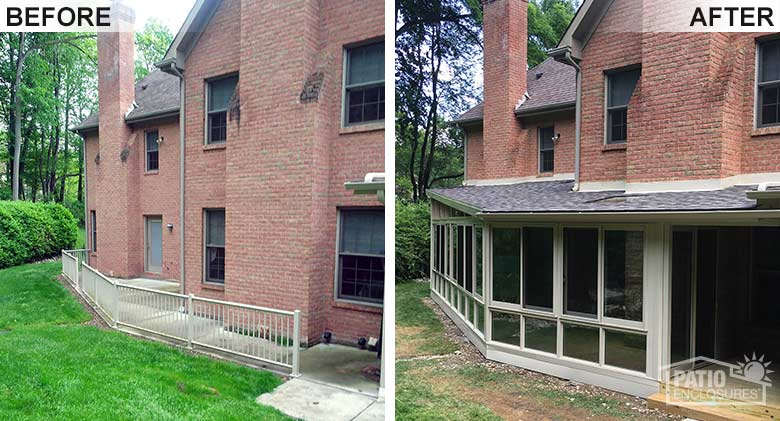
(577, 121)
(181, 175)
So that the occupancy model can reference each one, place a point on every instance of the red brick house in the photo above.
(227, 169)
(621, 206)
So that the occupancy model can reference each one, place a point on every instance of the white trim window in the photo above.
(218, 95)
(364, 84)
(93, 230)
(546, 149)
(361, 255)
(768, 84)
(214, 245)
(620, 87)
(152, 150)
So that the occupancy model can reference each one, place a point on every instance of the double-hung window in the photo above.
(768, 83)
(152, 151)
(546, 149)
(215, 245)
(361, 255)
(364, 84)
(620, 87)
(219, 92)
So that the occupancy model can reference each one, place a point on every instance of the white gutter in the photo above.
(176, 71)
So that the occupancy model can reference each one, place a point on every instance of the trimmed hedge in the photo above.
(412, 240)
(31, 231)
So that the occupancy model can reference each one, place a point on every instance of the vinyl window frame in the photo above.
(337, 267)
(608, 110)
(147, 151)
(542, 150)
(346, 87)
(761, 85)
(208, 83)
(206, 278)
(93, 231)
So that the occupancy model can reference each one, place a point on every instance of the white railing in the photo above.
(264, 334)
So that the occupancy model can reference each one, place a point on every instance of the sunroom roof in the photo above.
(557, 197)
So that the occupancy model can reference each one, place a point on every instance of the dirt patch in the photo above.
(96, 319)
(528, 395)
(409, 339)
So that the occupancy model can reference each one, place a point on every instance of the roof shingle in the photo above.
(556, 196)
(157, 93)
(549, 84)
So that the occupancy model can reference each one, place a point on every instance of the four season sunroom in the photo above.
(579, 285)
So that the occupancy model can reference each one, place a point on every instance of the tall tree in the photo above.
(151, 43)
(438, 58)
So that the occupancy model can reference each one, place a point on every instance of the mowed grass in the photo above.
(418, 331)
(444, 387)
(53, 367)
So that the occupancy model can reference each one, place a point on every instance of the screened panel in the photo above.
(469, 256)
(363, 232)
(581, 342)
(506, 265)
(459, 249)
(541, 334)
(506, 328)
(623, 274)
(478, 248)
(538, 267)
(769, 69)
(366, 64)
(625, 350)
(220, 92)
(621, 87)
(580, 251)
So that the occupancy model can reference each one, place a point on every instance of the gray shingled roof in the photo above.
(157, 94)
(556, 196)
(549, 83)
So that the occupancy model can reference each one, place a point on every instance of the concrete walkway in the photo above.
(309, 400)
(160, 285)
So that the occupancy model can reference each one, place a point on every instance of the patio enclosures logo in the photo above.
(710, 382)
(64, 16)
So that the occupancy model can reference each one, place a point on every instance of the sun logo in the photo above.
(754, 369)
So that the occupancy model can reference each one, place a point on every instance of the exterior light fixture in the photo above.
(170, 227)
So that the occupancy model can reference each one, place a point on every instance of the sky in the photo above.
(170, 12)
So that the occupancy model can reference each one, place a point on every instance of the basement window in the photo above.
(361, 254)
(215, 246)
(218, 94)
(364, 84)
(152, 151)
(768, 84)
(620, 87)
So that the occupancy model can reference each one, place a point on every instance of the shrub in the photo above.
(31, 231)
(412, 240)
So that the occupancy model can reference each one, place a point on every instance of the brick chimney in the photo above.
(504, 70)
(116, 93)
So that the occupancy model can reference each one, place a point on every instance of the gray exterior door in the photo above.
(153, 244)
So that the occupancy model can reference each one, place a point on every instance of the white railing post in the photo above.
(190, 321)
(296, 369)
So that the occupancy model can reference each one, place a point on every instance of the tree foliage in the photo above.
(438, 63)
(151, 43)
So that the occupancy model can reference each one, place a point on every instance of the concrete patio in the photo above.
(158, 284)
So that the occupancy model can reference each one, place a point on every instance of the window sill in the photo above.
(212, 287)
(358, 306)
(613, 147)
(362, 128)
(546, 174)
(765, 131)
(214, 146)
(151, 172)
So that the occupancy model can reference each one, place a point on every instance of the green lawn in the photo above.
(53, 367)
(418, 330)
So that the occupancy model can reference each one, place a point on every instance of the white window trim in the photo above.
(146, 152)
(206, 97)
(205, 248)
(344, 87)
(337, 275)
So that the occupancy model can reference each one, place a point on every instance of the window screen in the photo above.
(220, 92)
(152, 151)
(546, 149)
(215, 245)
(769, 84)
